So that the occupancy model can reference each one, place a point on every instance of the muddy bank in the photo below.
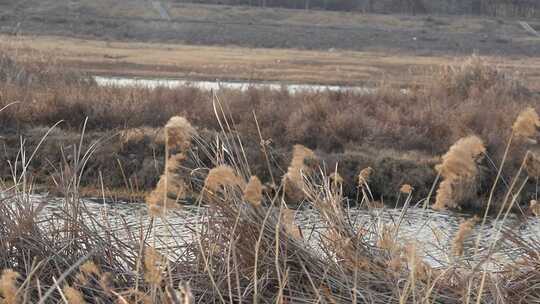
(129, 162)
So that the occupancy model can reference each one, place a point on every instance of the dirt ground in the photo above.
(269, 28)
(247, 64)
(209, 42)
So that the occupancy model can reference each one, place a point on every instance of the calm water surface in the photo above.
(217, 85)
(433, 231)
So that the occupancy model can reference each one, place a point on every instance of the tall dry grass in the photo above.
(388, 129)
(240, 251)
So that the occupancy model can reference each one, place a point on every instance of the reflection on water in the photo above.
(217, 85)
(433, 231)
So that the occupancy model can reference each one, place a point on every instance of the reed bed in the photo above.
(246, 246)
(389, 130)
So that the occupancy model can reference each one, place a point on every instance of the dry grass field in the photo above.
(95, 180)
(247, 64)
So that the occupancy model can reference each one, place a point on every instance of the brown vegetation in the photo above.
(388, 130)
(360, 67)
(241, 252)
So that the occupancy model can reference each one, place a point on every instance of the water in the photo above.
(217, 85)
(432, 231)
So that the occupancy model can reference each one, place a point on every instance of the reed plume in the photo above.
(153, 264)
(386, 239)
(465, 229)
(89, 268)
(443, 199)
(8, 286)
(86, 270)
(406, 189)
(178, 134)
(336, 180)
(532, 164)
(253, 192)
(527, 124)
(364, 175)
(459, 166)
(172, 187)
(222, 176)
(460, 160)
(73, 296)
(287, 217)
(301, 163)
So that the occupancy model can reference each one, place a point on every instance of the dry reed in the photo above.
(287, 216)
(222, 176)
(459, 166)
(8, 287)
(172, 187)
(532, 164)
(242, 255)
(527, 124)
(253, 193)
(73, 296)
(465, 229)
(406, 189)
(153, 264)
(301, 164)
(364, 175)
(89, 268)
(179, 132)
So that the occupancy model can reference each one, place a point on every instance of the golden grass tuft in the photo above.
(222, 176)
(168, 192)
(178, 134)
(336, 180)
(8, 286)
(172, 187)
(137, 135)
(459, 166)
(460, 160)
(527, 124)
(465, 229)
(87, 270)
(386, 239)
(293, 181)
(406, 189)
(153, 264)
(253, 191)
(444, 198)
(287, 217)
(345, 251)
(364, 175)
(73, 296)
(532, 164)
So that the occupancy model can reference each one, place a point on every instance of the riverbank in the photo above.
(400, 135)
(233, 63)
(246, 245)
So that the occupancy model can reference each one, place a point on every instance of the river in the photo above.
(432, 231)
(217, 85)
